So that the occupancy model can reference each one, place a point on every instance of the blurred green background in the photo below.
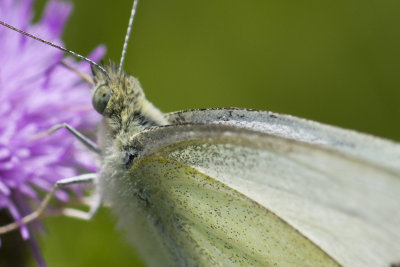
(336, 62)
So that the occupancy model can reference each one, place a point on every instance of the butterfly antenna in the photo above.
(54, 45)
(128, 34)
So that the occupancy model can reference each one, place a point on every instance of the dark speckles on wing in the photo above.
(203, 222)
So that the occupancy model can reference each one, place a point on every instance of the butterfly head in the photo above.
(115, 93)
(120, 98)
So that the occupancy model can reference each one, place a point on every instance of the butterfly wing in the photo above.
(230, 186)
(199, 221)
(344, 141)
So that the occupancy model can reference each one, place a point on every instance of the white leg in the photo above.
(84, 178)
(80, 74)
(94, 203)
(84, 140)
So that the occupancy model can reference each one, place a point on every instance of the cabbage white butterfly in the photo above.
(283, 125)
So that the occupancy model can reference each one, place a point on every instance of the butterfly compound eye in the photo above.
(100, 98)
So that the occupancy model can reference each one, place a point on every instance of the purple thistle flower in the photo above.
(36, 93)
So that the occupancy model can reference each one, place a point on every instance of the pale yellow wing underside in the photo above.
(238, 188)
(203, 222)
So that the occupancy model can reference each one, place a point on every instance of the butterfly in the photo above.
(243, 187)
(233, 186)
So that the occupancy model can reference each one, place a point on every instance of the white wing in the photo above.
(344, 141)
(339, 188)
